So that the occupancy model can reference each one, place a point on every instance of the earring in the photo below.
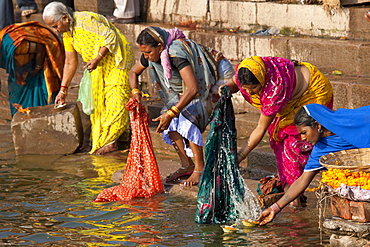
(320, 131)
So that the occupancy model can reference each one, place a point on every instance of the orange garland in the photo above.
(335, 177)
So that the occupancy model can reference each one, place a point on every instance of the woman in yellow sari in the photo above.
(108, 56)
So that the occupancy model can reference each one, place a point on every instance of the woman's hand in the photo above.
(34, 72)
(60, 99)
(367, 16)
(266, 216)
(137, 96)
(240, 158)
(92, 64)
(164, 122)
(219, 89)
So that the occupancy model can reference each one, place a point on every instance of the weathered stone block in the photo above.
(5, 108)
(46, 130)
(350, 210)
(340, 207)
(347, 227)
(344, 241)
(268, 200)
(98, 6)
(360, 211)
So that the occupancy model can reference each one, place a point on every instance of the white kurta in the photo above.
(127, 9)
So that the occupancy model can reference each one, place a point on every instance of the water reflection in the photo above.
(48, 201)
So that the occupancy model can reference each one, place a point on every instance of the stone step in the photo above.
(350, 57)
(292, 19)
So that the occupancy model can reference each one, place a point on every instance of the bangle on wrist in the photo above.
(38, 67)
(175, 113)
(175, 110)
(276, 208)
(62, 92)
(63, 86)
(241, 154)
(171, 113)
(100, 54)
(135, 91)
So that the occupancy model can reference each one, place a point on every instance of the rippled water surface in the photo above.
(48, 201)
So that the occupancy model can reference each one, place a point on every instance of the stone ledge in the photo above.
(347, 227)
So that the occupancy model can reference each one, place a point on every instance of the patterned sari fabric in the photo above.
(111, 88)
(38, 90)
(205, 65)
(221, 187)
(277, 78)
(141, 177)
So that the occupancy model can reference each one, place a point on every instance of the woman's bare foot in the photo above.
(193, 179)
(296, 203)
(181, 172)
(107, 148)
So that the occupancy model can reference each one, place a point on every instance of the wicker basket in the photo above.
(352, 159)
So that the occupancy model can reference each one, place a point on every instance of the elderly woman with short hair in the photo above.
(108, 56)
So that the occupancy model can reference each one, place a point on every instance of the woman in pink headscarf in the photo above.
(279, 87)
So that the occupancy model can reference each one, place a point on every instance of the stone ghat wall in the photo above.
(297, 19)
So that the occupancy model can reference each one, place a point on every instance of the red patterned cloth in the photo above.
(141, 177)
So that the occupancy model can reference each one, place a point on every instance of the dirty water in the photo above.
(48, 201)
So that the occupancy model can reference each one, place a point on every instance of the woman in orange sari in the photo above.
(33, 56)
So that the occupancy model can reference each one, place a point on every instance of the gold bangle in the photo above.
(176, 110)
(38, 67)
(62, 92)
(135, 91)
(241, 154)
(171, 114)
(100, 54)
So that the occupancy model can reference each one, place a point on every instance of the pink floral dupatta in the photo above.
(277, 78)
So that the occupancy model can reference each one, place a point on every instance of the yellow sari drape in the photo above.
(111, 88)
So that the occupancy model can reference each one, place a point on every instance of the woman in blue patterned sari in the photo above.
(186, 76)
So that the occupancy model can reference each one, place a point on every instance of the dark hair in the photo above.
(302, 118)
(246, 77)
(296, 63)
(144, 38)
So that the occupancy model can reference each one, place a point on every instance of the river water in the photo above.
(47, 200)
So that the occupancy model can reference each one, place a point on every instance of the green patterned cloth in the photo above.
(221, 188)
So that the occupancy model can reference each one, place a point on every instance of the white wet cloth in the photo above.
(354, 193)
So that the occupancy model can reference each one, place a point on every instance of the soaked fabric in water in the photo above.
(221, 187)
(141, 177)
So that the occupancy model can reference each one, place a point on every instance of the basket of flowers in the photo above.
(348, 183)
(352, 159)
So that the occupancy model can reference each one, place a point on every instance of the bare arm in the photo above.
(40, 58)
(188, 76)
(231, 83)
(293, 192)
(70, 67)
(133, 76)
(91, 65)
(256, 135)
